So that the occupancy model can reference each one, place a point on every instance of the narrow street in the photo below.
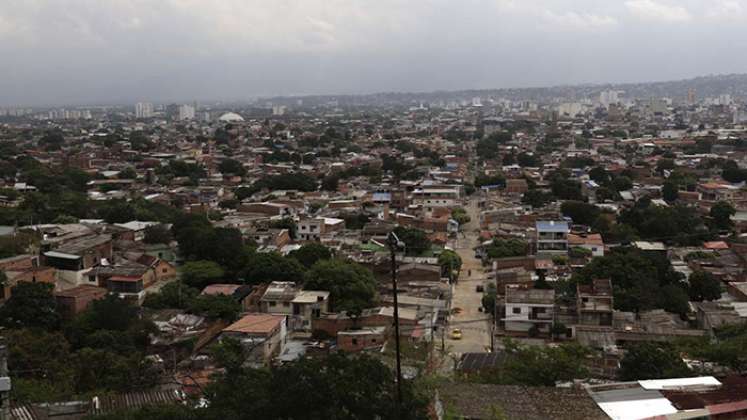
(470, 320)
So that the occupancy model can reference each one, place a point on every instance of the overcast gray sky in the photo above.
(119, 51)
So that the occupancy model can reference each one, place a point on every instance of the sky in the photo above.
(55, 52)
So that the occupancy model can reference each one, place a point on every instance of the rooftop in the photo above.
(261, 324)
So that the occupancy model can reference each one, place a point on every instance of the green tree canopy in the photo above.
(650, 360)
(231, 167)
(704, 286)
(265, 267)
(157, 234)
(30, 305)
(580, 212)
(199, 274)
(310, 253)
(352, 287)
(721, 213)
(416, 240)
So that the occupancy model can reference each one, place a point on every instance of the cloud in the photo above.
(656, 11)
(579, 21)
(726, 10)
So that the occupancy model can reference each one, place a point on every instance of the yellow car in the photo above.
(456, 334)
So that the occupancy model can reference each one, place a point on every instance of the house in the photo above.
(29, 275)
(352, 341)
(128, 280)
(73, 301)
(261, 335)
(592, 242)
(431, 197)
(309, 304)
(488, 401)
(552, 237)
(244, 294)
(278, 297)
(75, 258)
(314, 228)
(676, 398)
(162, 269)
(528, 310)
(594, 303)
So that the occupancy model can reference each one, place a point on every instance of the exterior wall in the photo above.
(528, 315)
(18, 263)
(163, 270)
(279, 308)
(73, 305)
(357, 342)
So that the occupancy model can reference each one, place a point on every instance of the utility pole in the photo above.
(394, 245)
(4, 382)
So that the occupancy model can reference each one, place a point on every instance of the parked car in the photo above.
(456, 334)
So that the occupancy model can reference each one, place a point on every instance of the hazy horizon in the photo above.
(120, 52)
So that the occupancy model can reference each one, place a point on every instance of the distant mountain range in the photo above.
(705, 86)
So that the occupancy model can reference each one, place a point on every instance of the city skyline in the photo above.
(175, 51)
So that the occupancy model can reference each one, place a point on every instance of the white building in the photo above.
(143, 110)
(526, 308)
(186, 112)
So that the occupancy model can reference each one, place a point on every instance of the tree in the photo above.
(334, 388)
(669, 192)
(492, 180)
(231, 167)
(157, 234)
(537, 198)
(330, 182)
(637, 280)
(199, 274)
(416, 241)
(721, 213)
(309, 254)
(504, 248)
(460, 215)
(599, 175)
(733, 173)
(650, 360)
(30, 305)
(664, 164)
(580, 212)
(528, 160)
(215, 306)
(673, 298)
(352, 287)
(174, 295)
(704, 286)
(622, 183)
(265, 267)
(567, 189)
(450, 262)
(540, 366)
(286, 223)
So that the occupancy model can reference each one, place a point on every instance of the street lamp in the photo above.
(396, 245)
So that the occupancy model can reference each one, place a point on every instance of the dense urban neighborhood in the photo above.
(516, 254)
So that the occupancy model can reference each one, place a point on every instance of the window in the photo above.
(517, 310)
(273, 303)
(286, 304)
(164, 270)
(355, 341)
(540, 310)
(92, 279)
(373, 340)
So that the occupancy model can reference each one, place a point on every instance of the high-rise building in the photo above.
(143, 110)
(186, 112)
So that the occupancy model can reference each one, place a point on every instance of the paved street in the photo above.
(475, 334)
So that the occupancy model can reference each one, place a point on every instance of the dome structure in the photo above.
(231, 117)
